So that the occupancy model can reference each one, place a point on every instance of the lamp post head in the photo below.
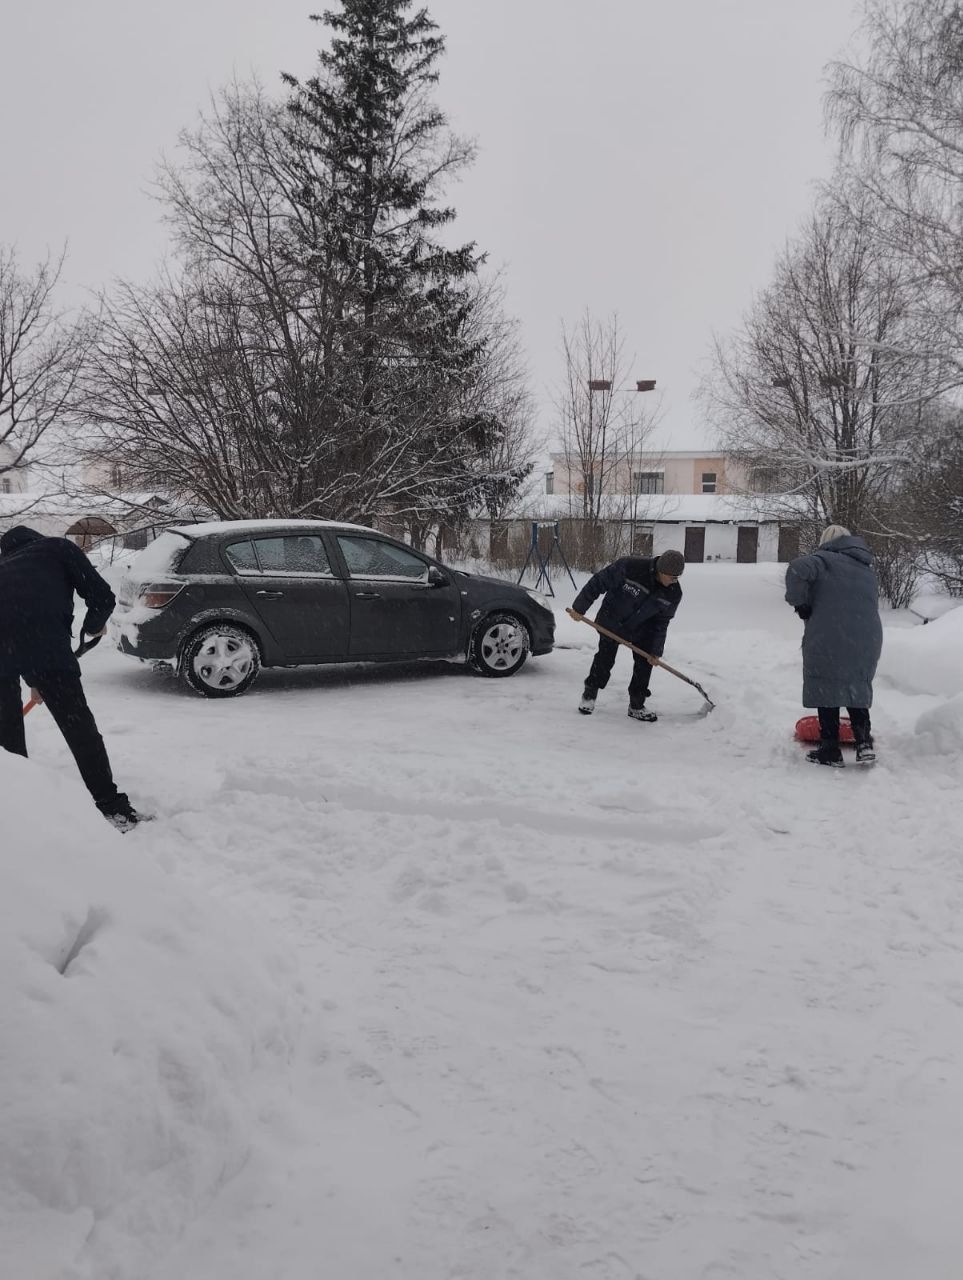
(600, 384)
(645, 384)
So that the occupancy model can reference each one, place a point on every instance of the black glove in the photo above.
(804, 611)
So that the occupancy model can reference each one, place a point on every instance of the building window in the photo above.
(549, 481)
(6, 485)
(708, 481)
(116, 477)
(649, 481)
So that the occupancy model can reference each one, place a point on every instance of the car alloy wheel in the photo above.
(500, 645)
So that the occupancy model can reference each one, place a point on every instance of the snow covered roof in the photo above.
(667, 508)
(656, 455)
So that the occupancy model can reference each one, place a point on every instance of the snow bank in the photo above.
(136, 1024)
(926, 659)
(940, 730)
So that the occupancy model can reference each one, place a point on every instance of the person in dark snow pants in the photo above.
(836, 594)
(38, 579)
(641, 596)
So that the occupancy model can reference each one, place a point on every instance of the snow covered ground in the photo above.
(465, 986)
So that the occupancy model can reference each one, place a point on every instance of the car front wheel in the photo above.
(499, 645)
(221, 661)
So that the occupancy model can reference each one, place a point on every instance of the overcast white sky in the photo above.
(648, 158)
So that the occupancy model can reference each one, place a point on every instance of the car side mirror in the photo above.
(436, 578)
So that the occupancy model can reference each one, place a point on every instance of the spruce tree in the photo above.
(374, 154)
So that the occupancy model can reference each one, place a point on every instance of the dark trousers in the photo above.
(63, 695)
(602, 666)
(858, 718)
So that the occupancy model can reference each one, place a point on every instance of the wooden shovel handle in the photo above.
(656, 662)
(603, 631)
(84, 646)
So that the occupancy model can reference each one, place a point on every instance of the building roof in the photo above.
(666, 508)
(650, 455)
(35, 499)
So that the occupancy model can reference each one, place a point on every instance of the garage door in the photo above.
(747, 547)
(695, 545)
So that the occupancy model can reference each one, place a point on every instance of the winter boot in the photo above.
(120, 813)
(826, 753)
(865, 753)
(639, 713)
(587, 705)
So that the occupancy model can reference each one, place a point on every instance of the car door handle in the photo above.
(367, 595)
(270, 595)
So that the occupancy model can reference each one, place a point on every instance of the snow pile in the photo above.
(593, 999)
(926, 659)
(136, 1023)
(940, 730)
(929, 660)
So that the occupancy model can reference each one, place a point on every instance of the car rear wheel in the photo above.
(499, 645)
(221, 661)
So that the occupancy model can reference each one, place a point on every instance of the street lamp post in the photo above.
(605, 384)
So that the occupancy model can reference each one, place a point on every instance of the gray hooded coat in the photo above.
(844, 636)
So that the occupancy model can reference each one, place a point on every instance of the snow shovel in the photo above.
(83, 647)
(656, 662)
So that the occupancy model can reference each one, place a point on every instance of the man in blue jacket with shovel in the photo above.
(642, 594)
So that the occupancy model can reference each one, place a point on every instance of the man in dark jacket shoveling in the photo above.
(836, 594)
(642, 594)
(38, 578)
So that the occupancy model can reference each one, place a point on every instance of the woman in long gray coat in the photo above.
(836, 594)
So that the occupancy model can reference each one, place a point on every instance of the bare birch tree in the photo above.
(42, 352)
(931, 503)
(899, 108)
(821, 392)
(601, 424)
(900, 114)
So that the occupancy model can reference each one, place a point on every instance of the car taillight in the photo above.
(155, 595)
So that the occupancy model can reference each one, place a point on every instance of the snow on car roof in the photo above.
(249, 526)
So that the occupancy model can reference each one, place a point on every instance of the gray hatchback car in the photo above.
(218, 601)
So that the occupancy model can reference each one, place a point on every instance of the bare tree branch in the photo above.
(41, 356)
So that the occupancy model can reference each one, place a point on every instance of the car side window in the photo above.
(303, 554)
(372, 558)
(241, 557)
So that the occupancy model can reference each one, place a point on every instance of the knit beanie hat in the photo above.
(19, 536)
(832, 532)
(671, 563)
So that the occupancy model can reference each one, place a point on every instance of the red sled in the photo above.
(807, 730)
